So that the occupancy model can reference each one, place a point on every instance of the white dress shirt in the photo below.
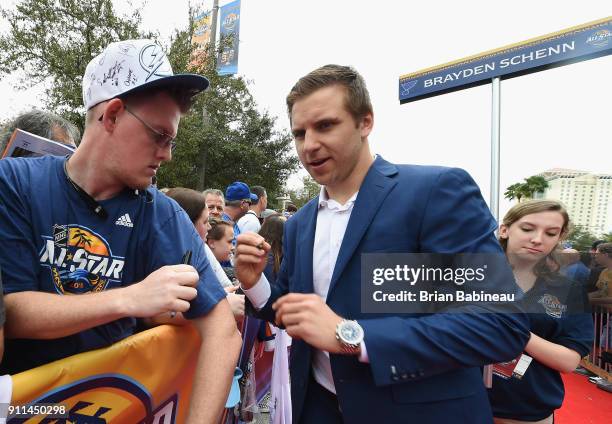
(332, 220)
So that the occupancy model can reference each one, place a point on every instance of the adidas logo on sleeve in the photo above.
(125, 221)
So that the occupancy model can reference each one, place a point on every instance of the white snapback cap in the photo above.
(129, 66)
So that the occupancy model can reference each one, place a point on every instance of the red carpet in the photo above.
(584, 403)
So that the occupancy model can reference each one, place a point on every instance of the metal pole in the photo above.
(487, 373)
(205, 117)
(495, 146)
(213, 26)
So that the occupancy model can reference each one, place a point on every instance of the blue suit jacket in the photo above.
(423, 368)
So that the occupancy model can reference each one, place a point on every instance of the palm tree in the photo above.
(535, 184)
(532, 185)
(82, 238)
(515, 191)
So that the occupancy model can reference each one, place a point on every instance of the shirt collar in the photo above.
(326, 202)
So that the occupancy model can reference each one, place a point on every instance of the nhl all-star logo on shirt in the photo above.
(552, 305)
(80, 260)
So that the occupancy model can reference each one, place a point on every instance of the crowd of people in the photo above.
(177, 255)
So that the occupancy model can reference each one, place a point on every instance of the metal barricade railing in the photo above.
(598, 361)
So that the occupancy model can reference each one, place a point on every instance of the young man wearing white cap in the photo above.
(91, 225)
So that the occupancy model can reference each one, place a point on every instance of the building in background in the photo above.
(587, 197)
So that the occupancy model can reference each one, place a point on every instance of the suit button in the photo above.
(413, 375)
(421, 373)
(395, 377)
(404, 376)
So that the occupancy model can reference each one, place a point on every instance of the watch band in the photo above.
(347, 349)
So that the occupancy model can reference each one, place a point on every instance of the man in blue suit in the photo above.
(347, 365)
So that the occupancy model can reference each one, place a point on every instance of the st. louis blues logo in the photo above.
(405, 87)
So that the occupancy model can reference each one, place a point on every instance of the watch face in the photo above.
(351, 332)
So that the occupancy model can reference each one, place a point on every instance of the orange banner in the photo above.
(201, 37)
(146, 378)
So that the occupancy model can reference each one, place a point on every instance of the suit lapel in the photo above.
(305, 245)
(375, 187)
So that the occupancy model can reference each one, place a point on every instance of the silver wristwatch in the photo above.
(350, 335)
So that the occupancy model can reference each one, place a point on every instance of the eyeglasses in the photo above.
(161, 139)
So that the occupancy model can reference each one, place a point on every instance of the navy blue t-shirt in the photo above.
(52, 241)
(556, 310)
(2, 315)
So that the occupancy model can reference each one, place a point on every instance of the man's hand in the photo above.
(307, 317)
(170, 288)
(250, 259)
(236, 302)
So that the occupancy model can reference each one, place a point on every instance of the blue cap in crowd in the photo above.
(239, 191)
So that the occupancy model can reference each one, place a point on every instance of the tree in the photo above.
(225, 138)
(311, 187)
(52, 41)
(535, 184)
(515, 191)
(310, 190)
(532, 185)
(580, 238)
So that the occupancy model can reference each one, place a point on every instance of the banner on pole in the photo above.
(201, 37)
(229, 36)
(575, 44)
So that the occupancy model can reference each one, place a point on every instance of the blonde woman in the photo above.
(561, 330)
